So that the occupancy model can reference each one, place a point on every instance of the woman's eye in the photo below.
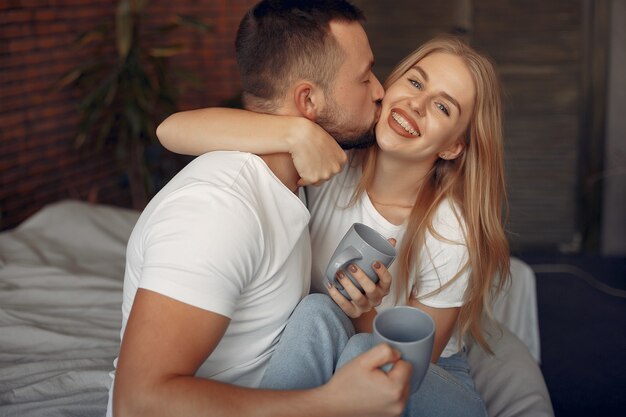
(443, 108)
(416, 84)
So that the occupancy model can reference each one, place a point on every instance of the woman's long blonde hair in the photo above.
(474, 181)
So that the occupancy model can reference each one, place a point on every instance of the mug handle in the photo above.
(347, 255)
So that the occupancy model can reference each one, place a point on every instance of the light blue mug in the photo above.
(362, 246)
(410, 331)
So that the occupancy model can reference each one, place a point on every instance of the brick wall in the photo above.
(38, 161)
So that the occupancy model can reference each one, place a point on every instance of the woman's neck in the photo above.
(395, 186)
(397, 181)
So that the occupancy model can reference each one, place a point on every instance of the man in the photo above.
(220, 257)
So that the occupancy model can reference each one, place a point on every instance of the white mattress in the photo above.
(61, 275)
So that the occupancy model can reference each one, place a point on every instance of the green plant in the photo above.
(124, 95)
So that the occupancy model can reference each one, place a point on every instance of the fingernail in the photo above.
(328, 284)
(376, 265)
(352, 268)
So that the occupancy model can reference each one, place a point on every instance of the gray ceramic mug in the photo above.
(412, 332)
(362, 246)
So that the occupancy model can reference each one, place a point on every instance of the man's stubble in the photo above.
(334, 121)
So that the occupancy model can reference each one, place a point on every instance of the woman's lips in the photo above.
(402, 124)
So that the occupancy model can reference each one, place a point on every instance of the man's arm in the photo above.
(165, 342)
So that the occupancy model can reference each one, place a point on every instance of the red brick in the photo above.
(22, 45)
(15, 16)
(42, 15)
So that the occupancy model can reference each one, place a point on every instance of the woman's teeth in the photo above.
(402, 122)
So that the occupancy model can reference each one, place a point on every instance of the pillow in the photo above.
(510, 382)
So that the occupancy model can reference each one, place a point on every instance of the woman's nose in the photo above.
(418, 103)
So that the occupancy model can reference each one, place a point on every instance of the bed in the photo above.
(61, 275)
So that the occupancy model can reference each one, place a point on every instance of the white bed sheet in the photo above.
(61, 277)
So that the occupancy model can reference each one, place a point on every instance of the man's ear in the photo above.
(308, 99)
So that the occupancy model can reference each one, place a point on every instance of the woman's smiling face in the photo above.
(427, 110)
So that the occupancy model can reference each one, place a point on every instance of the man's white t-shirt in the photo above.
(225, 235)
(440, 260)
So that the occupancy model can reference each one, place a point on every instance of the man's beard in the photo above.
(353, 141)
(345, 137)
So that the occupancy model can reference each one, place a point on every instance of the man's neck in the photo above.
(282, 166)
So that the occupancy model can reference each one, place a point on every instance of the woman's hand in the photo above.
(316, 155)
(361, 303)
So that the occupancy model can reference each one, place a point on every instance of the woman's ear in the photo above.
(308, 99)
(453, 150)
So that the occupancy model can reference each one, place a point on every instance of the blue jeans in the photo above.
(319, 338)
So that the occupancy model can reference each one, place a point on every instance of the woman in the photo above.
(434, 182)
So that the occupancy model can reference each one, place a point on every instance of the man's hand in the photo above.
(367, 390)
(316, 155)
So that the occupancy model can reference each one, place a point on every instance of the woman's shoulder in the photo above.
(448, 221)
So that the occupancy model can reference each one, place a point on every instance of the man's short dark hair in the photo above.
(280, 41)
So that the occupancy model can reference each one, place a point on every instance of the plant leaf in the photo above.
(193, 23)
(168, 51)
(123, 28)
(104, 131)
(137, 6)
(67, 79)
(110, 95)
(91, 36)
(80, 139)
(133, 116)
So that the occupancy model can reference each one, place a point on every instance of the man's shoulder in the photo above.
(222, 160)
(209, 181)
(223, 168)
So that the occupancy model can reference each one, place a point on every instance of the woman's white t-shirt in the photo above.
(440, 260)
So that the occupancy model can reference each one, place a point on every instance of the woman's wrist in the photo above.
(297, 130)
